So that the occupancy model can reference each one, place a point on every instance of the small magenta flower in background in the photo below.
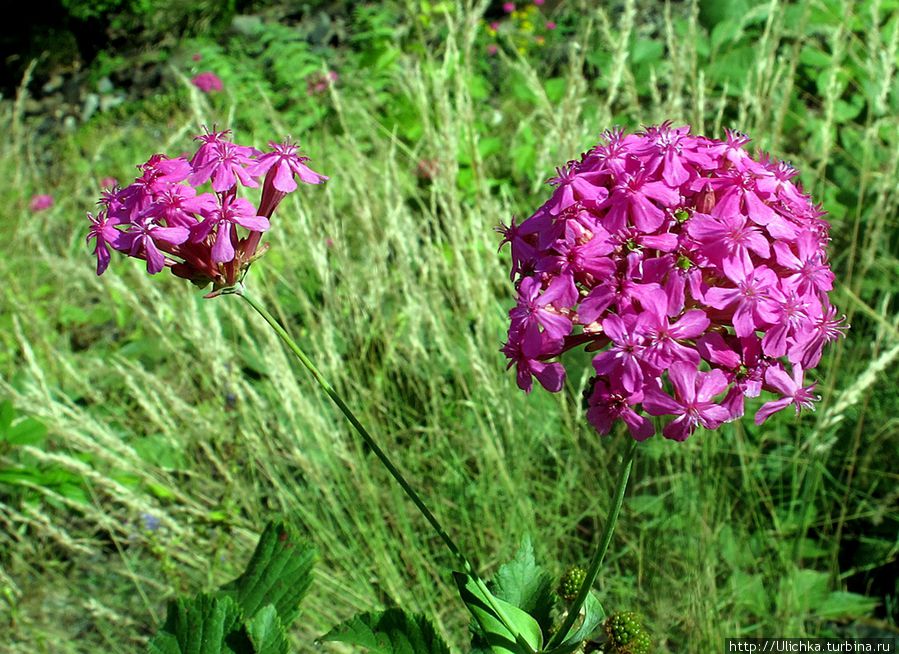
(318, 83)
(697, 271)
(41, 202)
(207, 82)
(206, 237)
(508, 7)
(108, 182)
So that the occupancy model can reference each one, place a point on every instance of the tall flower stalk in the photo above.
(602, 545)
(329, 390)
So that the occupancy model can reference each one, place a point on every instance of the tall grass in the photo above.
(191, 411)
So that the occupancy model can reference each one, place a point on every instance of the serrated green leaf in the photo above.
(279, 573)
(203, 625)
(390, 632)
(492, 614)
(523, 583)
(266, 632)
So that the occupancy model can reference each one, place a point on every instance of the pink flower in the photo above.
(538, 2)
(492, 49)
(109, 182)
(41, 202)
(550, 25)
(693, 272)
(508, 7)
(196, 56)
(282, 165)
(207, 82)
(225, 164)
(693, 404)
(791, 390)
(222, 219)
(104, 233)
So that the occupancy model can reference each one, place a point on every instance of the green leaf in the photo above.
(266, 632)
(523, 583)
(201, 625)
(279, 573)
(592, 615)
(389, 632)
(843, 605)
(7, 413)
(493, 614)
(26, 432)
(555, 89)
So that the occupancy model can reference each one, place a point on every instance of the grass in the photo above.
(158, 402)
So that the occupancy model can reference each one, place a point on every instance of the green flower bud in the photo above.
(571, 583)
(626, 633)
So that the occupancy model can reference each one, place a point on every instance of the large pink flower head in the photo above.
(165, 218)
(696, 272)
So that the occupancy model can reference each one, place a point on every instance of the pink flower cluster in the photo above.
(673, 256)
(163, 219)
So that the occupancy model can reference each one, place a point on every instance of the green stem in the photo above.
(240, 290)
(603, 546)
(363, 432)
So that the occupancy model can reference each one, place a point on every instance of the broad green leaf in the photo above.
(279, 573)
(202, 625)
(525, 637)
(523, 583)
(266, 632)
(843, 605)
(389, 632)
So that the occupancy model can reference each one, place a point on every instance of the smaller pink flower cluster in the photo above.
(41, 202)
(207, 82)
(162, 219)
(318, 83)
(676, 257)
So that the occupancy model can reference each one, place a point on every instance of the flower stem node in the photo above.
(626, 633)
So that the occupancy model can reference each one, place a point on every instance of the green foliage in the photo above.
(26, 478)
(504, 627)
(389, 632)
(250, 614)
(202, 625)
(524, 584)
(279, 574)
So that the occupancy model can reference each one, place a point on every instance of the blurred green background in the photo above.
(147, 434)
